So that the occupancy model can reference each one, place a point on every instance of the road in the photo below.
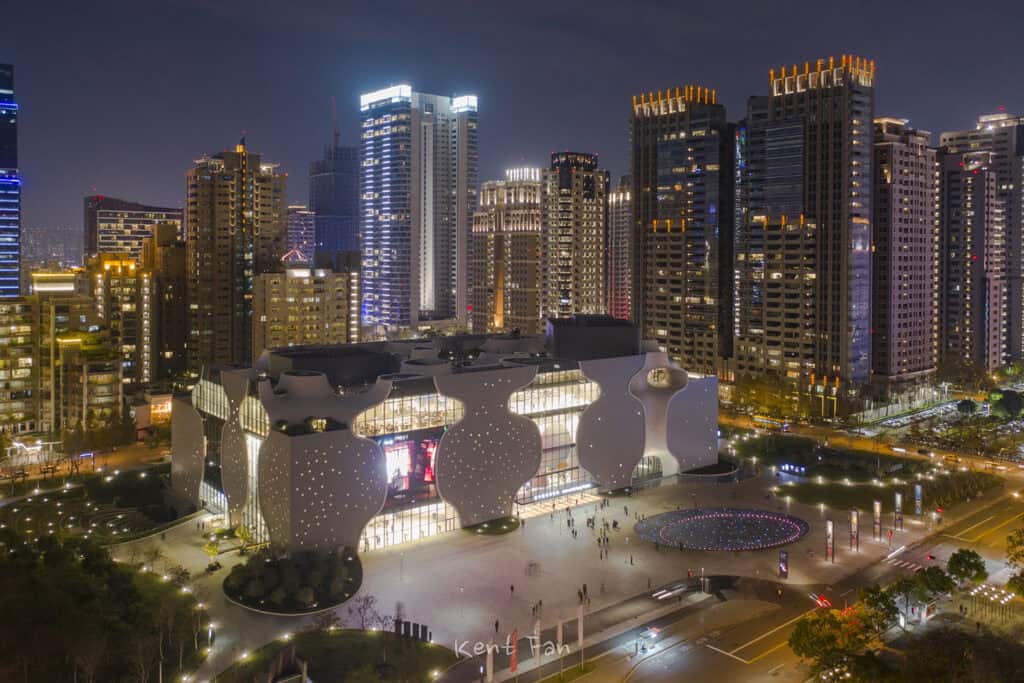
(840, 439)
(757, 649)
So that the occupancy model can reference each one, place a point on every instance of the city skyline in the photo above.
(320, 52)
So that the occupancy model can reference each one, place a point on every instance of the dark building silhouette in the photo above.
(334, 199)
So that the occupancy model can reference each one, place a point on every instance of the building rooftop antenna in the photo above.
(334, 120)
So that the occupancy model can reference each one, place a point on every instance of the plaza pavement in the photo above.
(459, 583)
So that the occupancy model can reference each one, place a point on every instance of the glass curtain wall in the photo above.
(554, 401)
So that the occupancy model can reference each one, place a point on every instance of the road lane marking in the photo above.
(768, 652)
(728, 654)
(765, 635)
(651, 656)
(998, 526)
(971, 527)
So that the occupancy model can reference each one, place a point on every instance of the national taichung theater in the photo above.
(381, 443)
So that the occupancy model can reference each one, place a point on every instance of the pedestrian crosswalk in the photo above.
(903, 564)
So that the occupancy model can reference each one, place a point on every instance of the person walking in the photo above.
(495, 625)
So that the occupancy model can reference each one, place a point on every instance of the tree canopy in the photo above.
(967, 565)
(67, 610)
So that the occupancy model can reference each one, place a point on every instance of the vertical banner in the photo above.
(897, 513)
(855, 529)
(490, 661)
(783, 564)
(830, 545)
(877, 527)
(579, 632)
(580, 628)
(918, 499)
(513, 662)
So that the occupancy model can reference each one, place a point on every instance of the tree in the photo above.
(952, 654)
(764, 394)
(907, 587)
(305, 597)
(1015, 549)
(967, 407)
(880, 607)
(326, 622)
(831, 638)
(1009, 404)
(934, 580)
(967, 565)
(1016, 584)
(364, 609)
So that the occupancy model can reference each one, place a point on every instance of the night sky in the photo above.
(120, 97)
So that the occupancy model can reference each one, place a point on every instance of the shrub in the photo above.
(255, 589)
(278, 596)
(305, 596)
(294, 583)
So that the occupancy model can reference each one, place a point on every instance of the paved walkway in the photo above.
(460, 583)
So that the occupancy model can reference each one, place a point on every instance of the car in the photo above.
(820, 600)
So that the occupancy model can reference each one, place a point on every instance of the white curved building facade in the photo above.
(376, 465)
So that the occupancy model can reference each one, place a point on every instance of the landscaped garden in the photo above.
(941, 490)
(353, 656)
(297, 583)
(105, 506)
(831, 463)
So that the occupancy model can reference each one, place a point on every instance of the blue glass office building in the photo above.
(10, 188)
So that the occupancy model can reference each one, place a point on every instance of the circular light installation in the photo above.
(725, 529)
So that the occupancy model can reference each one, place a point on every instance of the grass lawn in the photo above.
(351, 656)
(941, 490)
(841, 496)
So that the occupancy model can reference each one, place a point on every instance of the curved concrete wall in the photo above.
(655, 401)
(693, 424)
(317, 491)
(485, 457)
(188, 451)
(610, 436)
(234, 459)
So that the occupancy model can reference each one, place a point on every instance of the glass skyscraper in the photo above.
(418, 159)
(334, 199)
(10, 188)
(683, 192)
(803, 247)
